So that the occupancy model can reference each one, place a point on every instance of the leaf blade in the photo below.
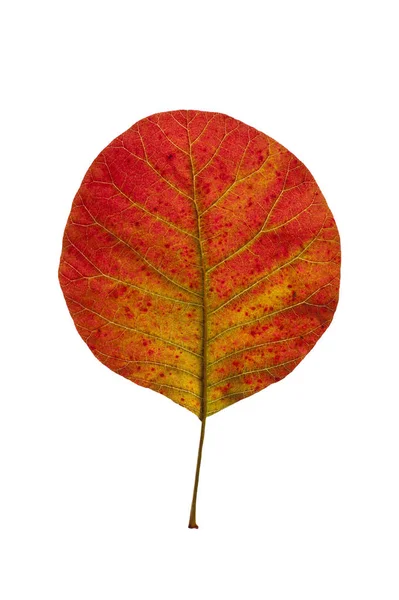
(200, 258)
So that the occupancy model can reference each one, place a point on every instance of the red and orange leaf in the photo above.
(200, 259)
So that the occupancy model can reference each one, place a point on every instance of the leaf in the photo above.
(200, 259)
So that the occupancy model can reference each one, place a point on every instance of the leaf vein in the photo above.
(140, 255)
(148, 212)
(146, 333)
(116, 279)
(299, 358)
(272, 314)
(146, 161)
(267, 343)
(249, 390)
(164, 385)
(265, 277)
(236, 182)
(261, 230)
(148, 362)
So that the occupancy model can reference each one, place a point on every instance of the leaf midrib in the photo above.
(204, 349)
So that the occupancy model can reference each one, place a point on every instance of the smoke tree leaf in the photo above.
(200, 259)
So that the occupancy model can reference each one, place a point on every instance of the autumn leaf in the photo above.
(200, 260)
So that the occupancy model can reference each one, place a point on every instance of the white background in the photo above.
(299, 494)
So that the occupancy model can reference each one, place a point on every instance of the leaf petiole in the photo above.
(192, 522)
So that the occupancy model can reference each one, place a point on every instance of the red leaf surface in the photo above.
(200, 259)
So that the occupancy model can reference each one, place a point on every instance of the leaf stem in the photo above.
(193, 522)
